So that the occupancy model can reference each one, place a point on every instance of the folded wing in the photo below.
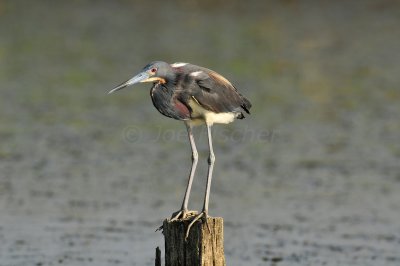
(217, 94)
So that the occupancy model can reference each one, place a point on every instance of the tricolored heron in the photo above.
(196, 96)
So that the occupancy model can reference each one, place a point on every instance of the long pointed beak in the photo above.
(141, 77)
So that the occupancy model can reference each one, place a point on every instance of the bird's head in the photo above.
(156, 72)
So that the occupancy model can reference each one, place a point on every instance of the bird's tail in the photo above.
(246, 105)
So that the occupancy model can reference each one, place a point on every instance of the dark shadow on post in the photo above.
(203, 247)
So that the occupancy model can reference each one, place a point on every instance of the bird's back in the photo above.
(210, 90)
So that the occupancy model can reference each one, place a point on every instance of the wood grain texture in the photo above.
(203, 247)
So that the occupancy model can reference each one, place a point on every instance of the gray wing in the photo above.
(217, 94)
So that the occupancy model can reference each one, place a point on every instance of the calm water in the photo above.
(310, 178)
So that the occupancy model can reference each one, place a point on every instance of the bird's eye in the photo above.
(153, 70)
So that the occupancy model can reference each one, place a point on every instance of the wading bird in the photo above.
(196, 96)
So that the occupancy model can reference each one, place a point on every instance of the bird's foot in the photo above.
(203, 215)
(182, 215)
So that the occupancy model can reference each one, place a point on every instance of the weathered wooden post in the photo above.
(203, 247)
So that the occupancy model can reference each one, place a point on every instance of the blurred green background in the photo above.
(85, 177)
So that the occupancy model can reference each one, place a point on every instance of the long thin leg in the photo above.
(211, 161)
(195, 157)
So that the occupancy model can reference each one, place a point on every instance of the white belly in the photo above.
(203, 116)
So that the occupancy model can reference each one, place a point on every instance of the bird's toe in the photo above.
(183, 215)
(203, 215)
